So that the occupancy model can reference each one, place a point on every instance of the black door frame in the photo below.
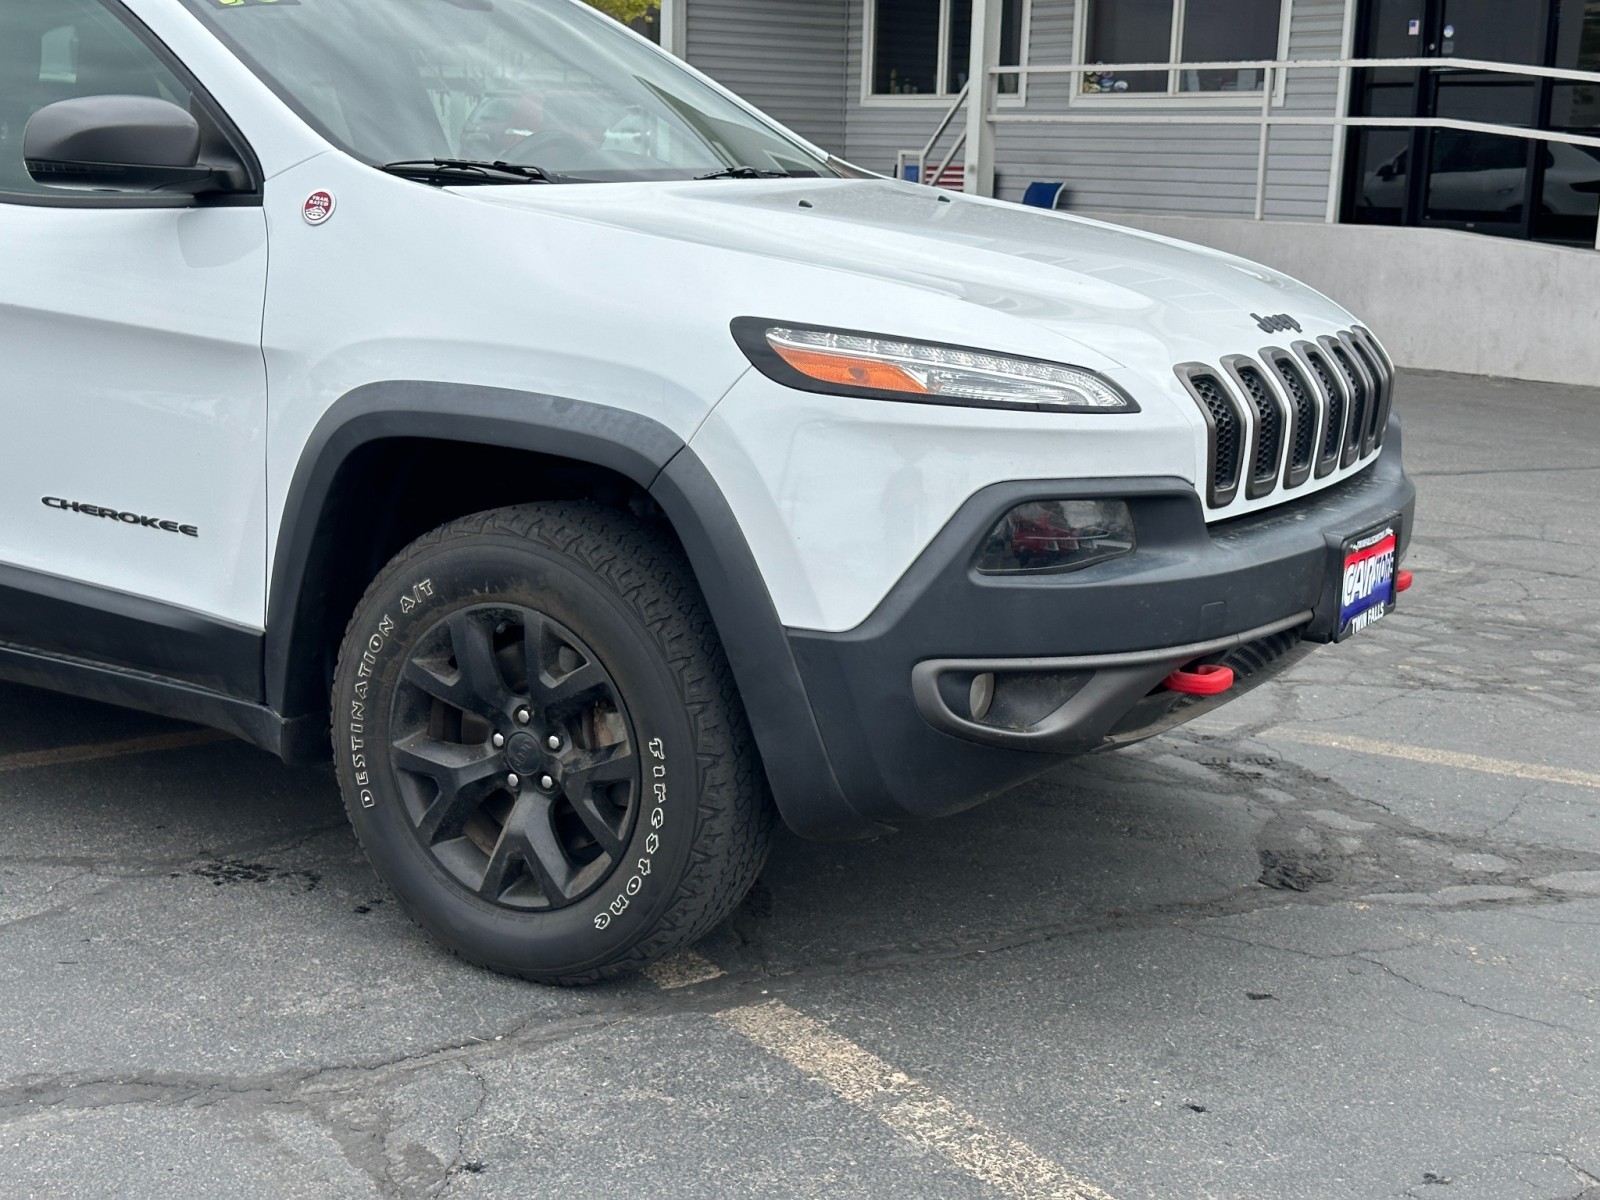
(1425, 97)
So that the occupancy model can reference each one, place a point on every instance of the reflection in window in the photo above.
(907, 48)
(1382, 166)
(54, 50)
(1569, 195)
(1228, 31)
(924, 47)
(1130, 31)
(1478, 178)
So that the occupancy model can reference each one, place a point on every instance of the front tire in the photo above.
(541, 747)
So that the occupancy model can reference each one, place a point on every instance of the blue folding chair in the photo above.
(1045, 195)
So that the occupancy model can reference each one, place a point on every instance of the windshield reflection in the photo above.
(548, 83)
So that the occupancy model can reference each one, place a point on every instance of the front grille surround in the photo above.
(1277, 419)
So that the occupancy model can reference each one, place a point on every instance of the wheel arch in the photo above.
(348, 510)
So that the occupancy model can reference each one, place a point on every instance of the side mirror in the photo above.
(131, 143)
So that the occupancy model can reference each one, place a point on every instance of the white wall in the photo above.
(1439, 299)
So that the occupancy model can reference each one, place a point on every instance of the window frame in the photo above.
(943, 98)
(1171, 98)
(251, 197)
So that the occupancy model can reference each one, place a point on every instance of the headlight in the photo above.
(1057, 535)
(843, 363)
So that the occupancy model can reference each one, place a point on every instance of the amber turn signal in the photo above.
(849, 372)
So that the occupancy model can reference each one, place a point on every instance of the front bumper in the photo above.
(1081, 656)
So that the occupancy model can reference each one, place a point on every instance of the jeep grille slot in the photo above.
(1303, 411)
(1280, 418)
(1360, 398)
(1333, 392)
(1225, 421)
(1378, 367)
(1269, 432)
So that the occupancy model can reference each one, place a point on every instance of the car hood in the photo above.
(1137, 299)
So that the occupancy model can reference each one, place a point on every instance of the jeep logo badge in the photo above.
(1277, 323)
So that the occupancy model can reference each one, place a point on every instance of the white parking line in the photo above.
(1438, 758)
(29, 760)
(912, 1109)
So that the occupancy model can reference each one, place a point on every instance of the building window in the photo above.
(924, 47)
(1135, 31)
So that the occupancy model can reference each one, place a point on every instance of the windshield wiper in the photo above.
(746, 173)
(467, 170)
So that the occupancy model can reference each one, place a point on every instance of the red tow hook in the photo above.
(1207, 679)
(1402, 581)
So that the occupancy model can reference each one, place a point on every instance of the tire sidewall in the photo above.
(405, 603)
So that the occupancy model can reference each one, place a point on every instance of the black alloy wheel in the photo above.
(515, 757)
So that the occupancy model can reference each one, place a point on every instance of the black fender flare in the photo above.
(635, 446)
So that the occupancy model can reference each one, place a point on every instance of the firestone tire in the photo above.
(541, 747)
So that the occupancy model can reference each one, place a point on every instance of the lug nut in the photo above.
(547, 782)
(553, 742)
(523, 716)
(513, 781)
(498, 740)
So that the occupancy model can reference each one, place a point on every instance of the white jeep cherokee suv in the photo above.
(610, 469)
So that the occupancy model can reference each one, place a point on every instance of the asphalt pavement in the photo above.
(1339, 939)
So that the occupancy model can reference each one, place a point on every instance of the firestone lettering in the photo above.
(652, 843)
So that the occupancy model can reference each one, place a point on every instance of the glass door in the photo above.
(1491, 183)
(1483, 181)
(1569, 176)
(1379, 179)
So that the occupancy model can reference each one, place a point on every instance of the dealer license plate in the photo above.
(1367, 583)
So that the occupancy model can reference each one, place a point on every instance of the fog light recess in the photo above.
(1055, 536)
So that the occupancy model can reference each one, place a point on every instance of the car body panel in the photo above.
(134, 383)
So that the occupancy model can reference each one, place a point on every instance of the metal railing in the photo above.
(919, 158)
(1269, 115)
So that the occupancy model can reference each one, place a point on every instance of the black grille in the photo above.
(1276, 417)
(1359, 403)
(1305, 416)
(1269, 431)
(1330, 439)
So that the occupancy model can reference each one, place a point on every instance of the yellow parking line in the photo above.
(1438, 758)
(684, 969)
(59, 756)
(912, 1109)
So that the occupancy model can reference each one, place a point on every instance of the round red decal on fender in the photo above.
(319, 207)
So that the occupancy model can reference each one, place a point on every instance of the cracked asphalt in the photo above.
(1339, 939)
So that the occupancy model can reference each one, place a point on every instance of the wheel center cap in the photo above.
(524, 753)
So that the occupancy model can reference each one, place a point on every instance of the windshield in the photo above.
(547, 83)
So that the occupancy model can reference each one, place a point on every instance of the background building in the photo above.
(1377, 183)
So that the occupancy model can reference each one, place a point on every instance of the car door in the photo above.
(132, 384)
